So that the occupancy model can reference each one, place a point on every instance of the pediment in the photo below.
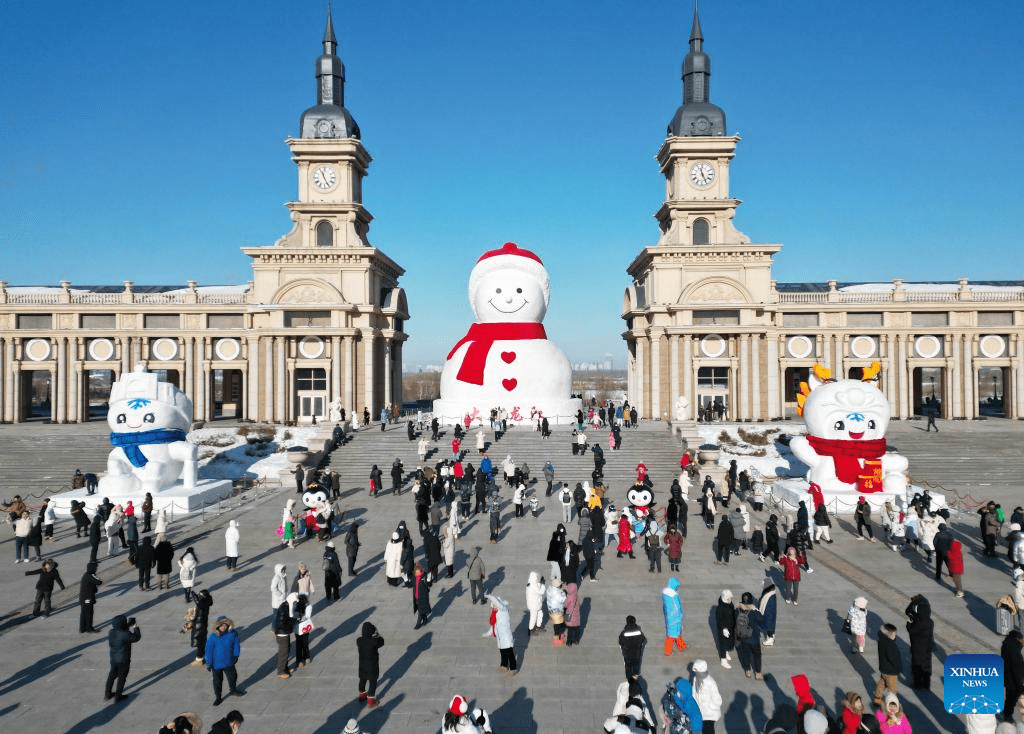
(308, 291)
(715, 290)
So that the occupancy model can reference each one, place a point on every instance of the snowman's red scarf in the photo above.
(846, 454)
(482, 338)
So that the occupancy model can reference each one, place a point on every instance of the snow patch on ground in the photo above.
(225, 454)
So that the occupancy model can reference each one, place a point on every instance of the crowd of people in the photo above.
(449, 493)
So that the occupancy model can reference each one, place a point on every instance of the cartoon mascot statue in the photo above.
(845, 448)
(149, 421)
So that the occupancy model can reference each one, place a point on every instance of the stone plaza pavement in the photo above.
(51, 677)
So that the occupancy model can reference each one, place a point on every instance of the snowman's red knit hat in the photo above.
(510, 257)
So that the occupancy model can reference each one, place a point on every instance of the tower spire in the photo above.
(697, 116)
(329, 118)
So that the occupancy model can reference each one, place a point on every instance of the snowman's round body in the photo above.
(506, 360)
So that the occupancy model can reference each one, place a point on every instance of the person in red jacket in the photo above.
(853, 708)
(625, 542)
(791, 562)
(955, 563)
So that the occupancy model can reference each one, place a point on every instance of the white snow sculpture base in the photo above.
(176, 500)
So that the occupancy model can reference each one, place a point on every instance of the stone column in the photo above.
(252, 378)
(397, 389)
(369, 378)
(970, 378)
(689, 384)
(350, 361)
(9, 377)
(335, 369)
(60, 383)
(673, 373)
(125, 355)
(190, 378)
(136, 351)
(74, 380)
(267, 413)
(386, 371)
(655, 382)
(955, 380)
(636, 395)
(755, 377)
(743, 371)
(1017, 379)
(775, 378)
(901, 389)
(280, 379)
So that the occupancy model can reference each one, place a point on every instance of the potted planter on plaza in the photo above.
(708, 453)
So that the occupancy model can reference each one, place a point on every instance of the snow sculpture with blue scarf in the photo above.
(149, 421)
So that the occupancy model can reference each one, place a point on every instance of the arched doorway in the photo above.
(991, 391)
(929, 387)
(793, 377)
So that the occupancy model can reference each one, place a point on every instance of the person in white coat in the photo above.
(278, 587)
(187, 565)
(535, 593)
(112, 526)
(49, 518)
(448, 535)
(555, 598)
(501, 629)
(858, 616)
(707, 695)
(480, 445)
(393, 561)
(161, 522)
(421, 448)
(631, 713)
(929, 528)
(231, 537)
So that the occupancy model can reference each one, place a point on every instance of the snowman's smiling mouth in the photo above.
(519, 308)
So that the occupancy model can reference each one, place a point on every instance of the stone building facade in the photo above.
(706, 320)
(320, 322)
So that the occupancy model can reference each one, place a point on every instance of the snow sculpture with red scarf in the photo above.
(845, 449)
(506, 360)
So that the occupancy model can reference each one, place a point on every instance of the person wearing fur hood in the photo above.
(278, 586)
(768, 605)
(222, 651)
(631, 713)
(231, 537)
(891, 718)
(500, 627)
(672, 607)
(187, 722)
(725, 627)
(535, 593)
(707, 695)
(368, 644)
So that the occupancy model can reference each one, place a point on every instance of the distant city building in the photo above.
(706, 320)
(321, 320)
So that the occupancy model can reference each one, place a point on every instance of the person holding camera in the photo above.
(124, 632)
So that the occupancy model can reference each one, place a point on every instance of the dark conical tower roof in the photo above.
(697, 116)
(329, 118)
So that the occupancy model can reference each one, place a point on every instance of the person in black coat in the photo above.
(397, 472)
(368, 644)
(771, 539)
(420, 596)
(284, 626)
(1013, 671)
(332, 572)
(941, 542)
(123, 634)
(432, 550)
(801, 515)
(725, 627)
(87, 589)
(48, 576)
(164, 555)
(556, 549)
(921, 630)
(632, 642)
(726, 537)
(145, 559)
(352, 546)
(890, 664)
(201, 625)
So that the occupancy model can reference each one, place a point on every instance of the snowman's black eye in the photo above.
(519, 290)
(497, 290)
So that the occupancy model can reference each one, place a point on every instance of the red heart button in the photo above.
(509, 384)
(508, 357)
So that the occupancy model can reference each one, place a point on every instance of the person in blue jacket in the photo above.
(680, 710)
(222, 651)
(672, 606)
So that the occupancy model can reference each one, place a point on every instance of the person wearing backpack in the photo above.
(679, 709)
(565, 496)
(748, 636)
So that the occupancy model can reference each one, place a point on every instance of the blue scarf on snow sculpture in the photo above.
(130, 442)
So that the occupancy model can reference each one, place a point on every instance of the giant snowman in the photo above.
(845, 448)
(505, 360)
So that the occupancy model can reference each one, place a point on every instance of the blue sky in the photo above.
(145, 141)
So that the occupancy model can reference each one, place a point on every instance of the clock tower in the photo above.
(704, 278)
(329, 301)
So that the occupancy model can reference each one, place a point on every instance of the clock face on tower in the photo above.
(702, 174)
(324, 178)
